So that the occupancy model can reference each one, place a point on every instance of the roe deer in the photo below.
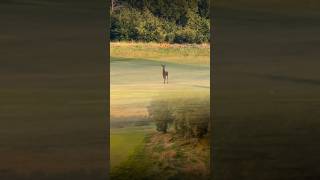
(165, 74)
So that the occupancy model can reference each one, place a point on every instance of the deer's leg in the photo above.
(167, 79)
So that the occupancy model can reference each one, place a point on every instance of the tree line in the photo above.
(178, 21)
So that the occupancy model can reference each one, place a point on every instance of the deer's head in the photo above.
(163, 65)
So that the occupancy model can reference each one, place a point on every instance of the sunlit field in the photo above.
(136, 79)
(172, 53)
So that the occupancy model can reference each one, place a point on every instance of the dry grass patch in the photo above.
(175, 53)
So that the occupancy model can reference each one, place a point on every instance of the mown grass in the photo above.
(134, 82)
(124, 141)
(136, 74)
(135, 167)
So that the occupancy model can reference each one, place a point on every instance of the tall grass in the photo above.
(175, 53)
(189, 116)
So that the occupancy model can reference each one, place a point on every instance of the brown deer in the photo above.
(165, 74)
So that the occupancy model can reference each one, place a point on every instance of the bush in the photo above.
(161, 114)
(185, 35)
(170, 28)
(190, 117)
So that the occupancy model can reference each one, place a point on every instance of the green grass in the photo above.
(157, 158)
(124, 141)
(136, 166)
(136, 79)
(134, 82)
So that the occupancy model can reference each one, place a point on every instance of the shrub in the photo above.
(190, 117)
(185, 35)
(170, 28)
(161, 114)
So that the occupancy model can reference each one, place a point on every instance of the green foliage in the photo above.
(151, 29)
(181, 21)
(185, 35)
(124, 24)
(161, 113)
(190, 117)
(203, 8)
(196, 30)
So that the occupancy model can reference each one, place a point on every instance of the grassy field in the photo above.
(166, 156)
(136, 79)
(124, 142)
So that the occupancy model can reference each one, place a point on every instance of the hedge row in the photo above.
(188, 117)
(129, 24)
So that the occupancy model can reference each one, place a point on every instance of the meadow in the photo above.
(136, 79)
(125, 141)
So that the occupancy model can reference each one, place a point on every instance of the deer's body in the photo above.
(165, 74)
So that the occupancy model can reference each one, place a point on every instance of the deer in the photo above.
(165, 74)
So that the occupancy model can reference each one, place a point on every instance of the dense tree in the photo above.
(204, 8)
(179, 21)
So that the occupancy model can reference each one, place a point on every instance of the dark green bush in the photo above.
(132, 24)
(190, 117)
(169, 28)
(185, 35)
(161, 113)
